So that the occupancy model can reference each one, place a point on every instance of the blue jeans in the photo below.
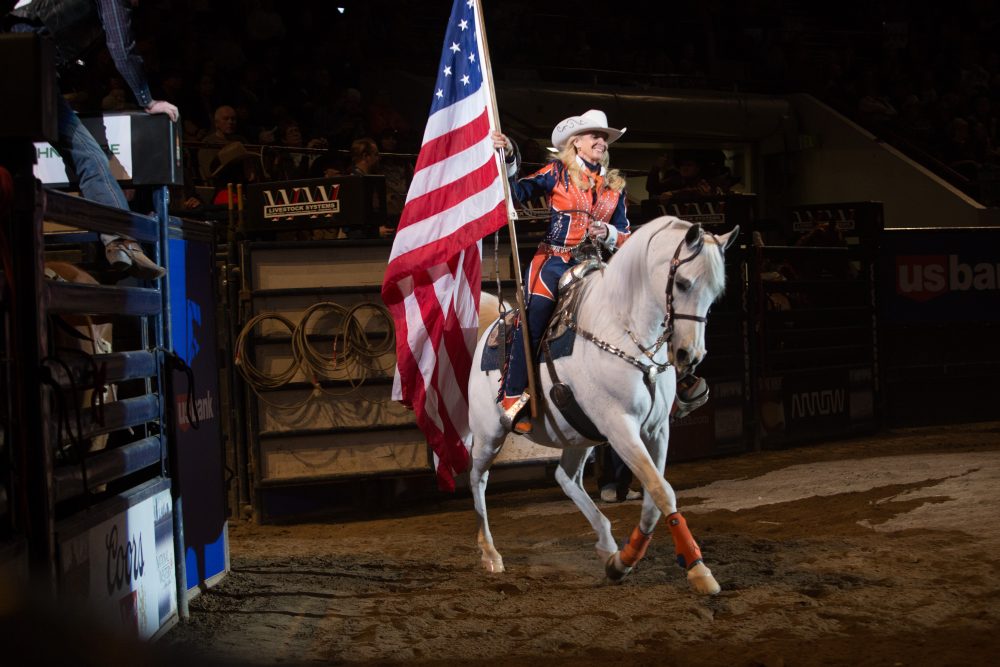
(81, 151)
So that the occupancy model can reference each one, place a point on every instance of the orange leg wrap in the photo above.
(635, 547)
(687, 549)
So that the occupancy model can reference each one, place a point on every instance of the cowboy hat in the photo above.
(590, 121)
(230, 154)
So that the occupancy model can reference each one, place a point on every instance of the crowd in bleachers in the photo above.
(313, 75)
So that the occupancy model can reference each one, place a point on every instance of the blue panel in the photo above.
(199, 450)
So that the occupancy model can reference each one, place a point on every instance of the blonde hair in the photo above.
(613, 179)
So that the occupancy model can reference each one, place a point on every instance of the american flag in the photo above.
(432, 283)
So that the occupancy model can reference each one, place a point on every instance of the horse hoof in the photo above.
(615, 569)
(701, 580)
(492, 565)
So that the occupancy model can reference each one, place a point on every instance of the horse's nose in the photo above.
(687, 358)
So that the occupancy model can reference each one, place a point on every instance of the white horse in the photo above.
(639, 320)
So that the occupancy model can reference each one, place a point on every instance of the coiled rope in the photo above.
(350, 357)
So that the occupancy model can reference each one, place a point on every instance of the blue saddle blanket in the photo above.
(491, 361)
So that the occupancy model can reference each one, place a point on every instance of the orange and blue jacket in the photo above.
(574, 209)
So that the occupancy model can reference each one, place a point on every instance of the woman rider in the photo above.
(587, 202)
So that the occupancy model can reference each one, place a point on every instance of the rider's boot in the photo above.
(692, 393)
(513, 416)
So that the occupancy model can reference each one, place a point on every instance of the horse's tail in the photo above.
(489, 311)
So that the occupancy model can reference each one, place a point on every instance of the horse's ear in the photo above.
(694, 236)
(731, 238)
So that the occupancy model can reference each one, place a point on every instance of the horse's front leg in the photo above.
(659, 498)
(569, 474)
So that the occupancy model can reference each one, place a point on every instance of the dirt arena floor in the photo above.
(874, 551)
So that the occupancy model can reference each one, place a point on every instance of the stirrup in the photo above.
(695, 395)
(508, 418)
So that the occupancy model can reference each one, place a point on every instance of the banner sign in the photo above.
(123, 568)
(338, 201)
(197, 430)
(112, 132)
(141, 148)
(940, 275)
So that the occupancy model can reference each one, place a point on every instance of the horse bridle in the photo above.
(654, 368)
(667, 325)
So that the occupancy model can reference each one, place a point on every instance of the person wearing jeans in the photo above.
(61, 20)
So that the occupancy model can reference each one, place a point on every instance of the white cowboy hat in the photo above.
(590, 121)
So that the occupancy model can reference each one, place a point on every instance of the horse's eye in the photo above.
(683, 285)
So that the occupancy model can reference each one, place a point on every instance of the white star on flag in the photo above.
(463, 24)
(454, 47)
(447, 70)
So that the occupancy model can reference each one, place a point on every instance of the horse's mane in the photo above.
(627, 274)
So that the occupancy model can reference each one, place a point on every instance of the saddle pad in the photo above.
(491, 360)
(561, 346)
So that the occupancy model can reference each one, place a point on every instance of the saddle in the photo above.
(557, 342)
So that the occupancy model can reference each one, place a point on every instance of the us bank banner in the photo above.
(122, 570)
(113, 133)
(940, 275)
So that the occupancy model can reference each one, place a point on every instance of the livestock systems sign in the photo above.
(339, 201)
(940, 275)
(122, 569)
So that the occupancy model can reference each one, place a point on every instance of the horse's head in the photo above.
(682, 271)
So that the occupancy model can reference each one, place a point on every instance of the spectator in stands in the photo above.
(364, 156)
(327, 164)
(384, 117)
(365, 161)
(681, 182)
(75, 143)
(875, 110)
(398, 170)
(286, 164)
(234, 164)
(201, 107)
(346, 122)
(224, 133)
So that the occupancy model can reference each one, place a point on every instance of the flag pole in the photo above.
(511, 226)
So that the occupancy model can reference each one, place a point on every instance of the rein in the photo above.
(653, 368)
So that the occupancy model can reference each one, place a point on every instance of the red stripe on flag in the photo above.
(442, 248)
(455, 141)
(450, 195)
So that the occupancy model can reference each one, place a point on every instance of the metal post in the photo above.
(164, 340)
(35, 432)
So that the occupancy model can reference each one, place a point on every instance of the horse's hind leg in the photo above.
(484, 452)
(569, 474)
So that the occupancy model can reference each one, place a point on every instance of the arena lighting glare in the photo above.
(340, 9)
(552, 149)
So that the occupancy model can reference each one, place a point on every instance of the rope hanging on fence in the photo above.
(351, 356)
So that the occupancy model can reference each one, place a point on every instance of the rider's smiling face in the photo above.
(591, 146)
